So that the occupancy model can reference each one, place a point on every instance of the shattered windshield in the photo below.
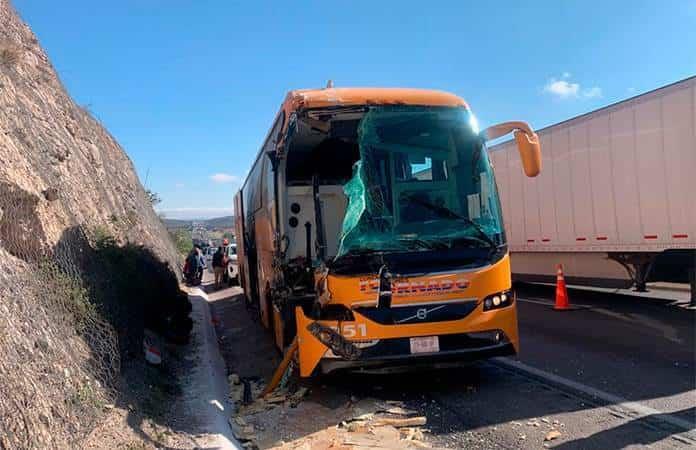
(423, 182)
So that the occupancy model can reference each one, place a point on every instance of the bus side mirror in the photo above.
(527, 144)
(530, 152)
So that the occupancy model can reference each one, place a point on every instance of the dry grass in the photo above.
(9, 55)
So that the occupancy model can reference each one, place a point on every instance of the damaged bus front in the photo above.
(388, 242)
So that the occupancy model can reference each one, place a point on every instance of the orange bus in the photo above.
(369, 229)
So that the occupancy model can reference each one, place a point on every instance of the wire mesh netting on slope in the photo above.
(70, 314)
(59, 356)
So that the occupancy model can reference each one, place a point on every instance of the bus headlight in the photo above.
(497, 300)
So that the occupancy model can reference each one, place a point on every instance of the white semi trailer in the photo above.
(616, 200)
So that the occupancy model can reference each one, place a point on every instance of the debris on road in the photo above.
(276, 398)
(283, 369)
(408, 422)
(551, 435)
(412, 433)
(282, 420)
(243, 433)
(397, 410)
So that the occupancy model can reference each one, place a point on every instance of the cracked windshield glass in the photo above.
(424, 181)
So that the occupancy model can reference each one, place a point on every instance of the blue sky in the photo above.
(189, 88)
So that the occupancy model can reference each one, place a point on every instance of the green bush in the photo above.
(182, 240)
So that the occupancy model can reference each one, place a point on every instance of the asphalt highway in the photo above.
(616, 372)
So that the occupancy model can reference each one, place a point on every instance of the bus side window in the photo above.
(252, 194)
(268, 182)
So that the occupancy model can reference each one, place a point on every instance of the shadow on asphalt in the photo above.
(245, 345)
(622, 436)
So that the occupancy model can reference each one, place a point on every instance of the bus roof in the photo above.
(319, 98)
(356, 96)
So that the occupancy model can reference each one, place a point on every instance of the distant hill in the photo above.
(219, 222)
(173, 224)
(209, 224)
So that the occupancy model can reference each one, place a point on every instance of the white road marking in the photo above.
(632, 410)
(538, 302)
(549, 303)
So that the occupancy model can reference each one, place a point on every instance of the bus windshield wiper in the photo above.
(481, 232)
(421, 243)
(451, 214)
(355, 253)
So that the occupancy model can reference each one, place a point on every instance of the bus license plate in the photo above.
(427, 344)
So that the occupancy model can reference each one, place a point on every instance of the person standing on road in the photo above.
(191, 270)
(218, 266)
(201, 262)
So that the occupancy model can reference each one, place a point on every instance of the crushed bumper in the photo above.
(480, 335)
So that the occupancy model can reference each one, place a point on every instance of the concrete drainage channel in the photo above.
(684, 430)
(208, 384)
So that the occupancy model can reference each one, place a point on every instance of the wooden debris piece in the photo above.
(551, 435)
(406, 422)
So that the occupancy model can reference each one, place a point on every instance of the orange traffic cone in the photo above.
(562, 303)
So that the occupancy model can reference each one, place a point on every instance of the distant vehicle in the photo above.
(232, 273)
(615, 204)
(208, 253)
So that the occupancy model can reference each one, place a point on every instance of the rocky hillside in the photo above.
(65, 183)
(57, 157)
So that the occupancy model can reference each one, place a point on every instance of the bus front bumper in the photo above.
(479, 335)
(408, 361)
